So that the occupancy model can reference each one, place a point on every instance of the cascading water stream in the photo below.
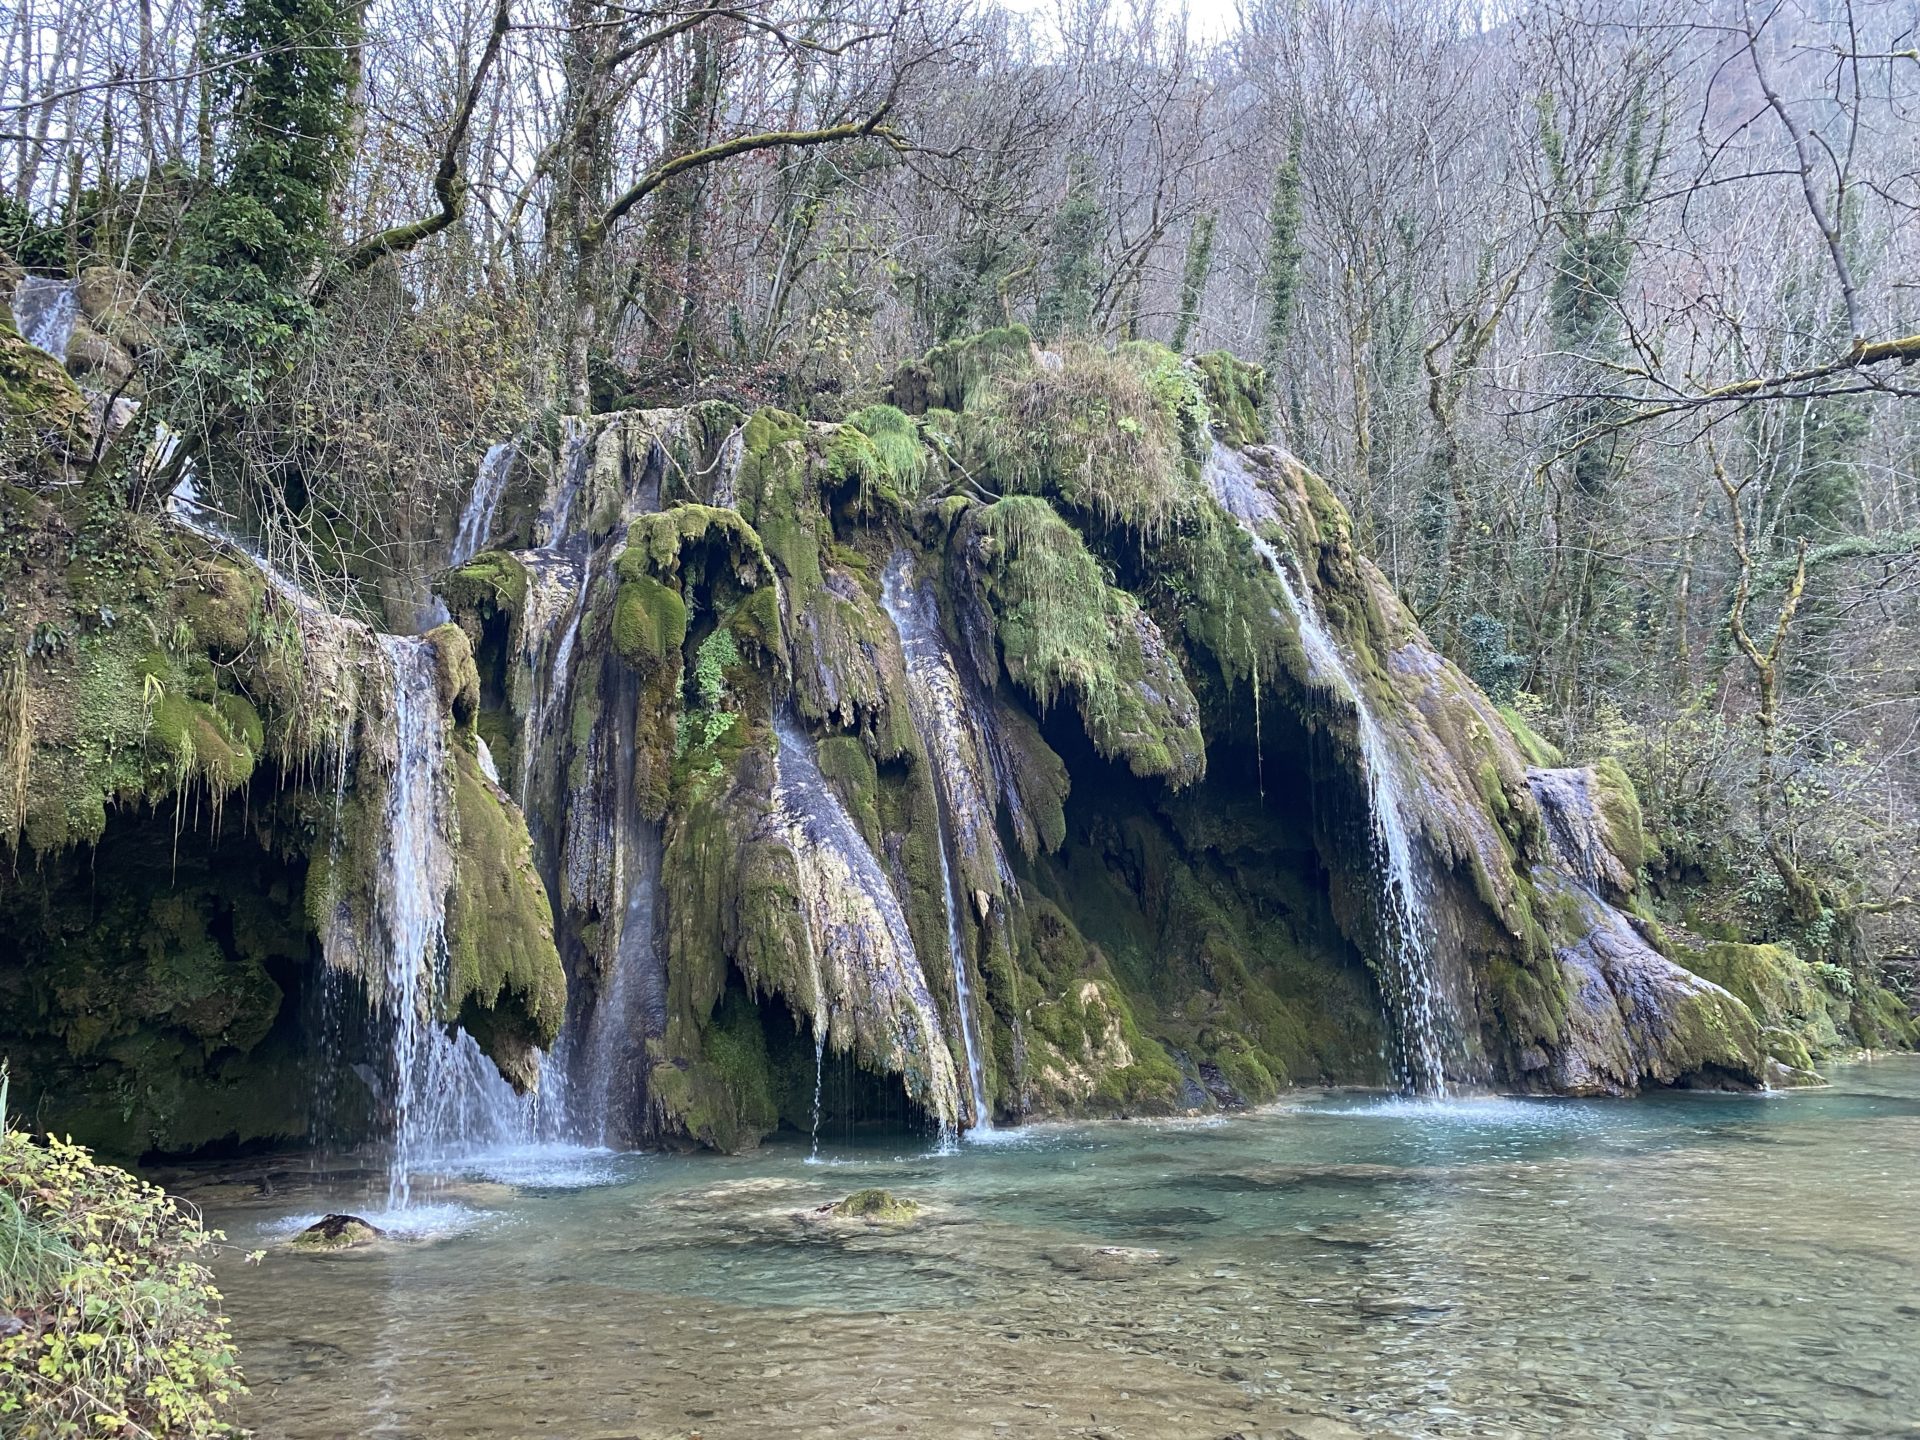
(1413, 989)
(483, 503)
(819, 1073)
(447, 1098)
(630, 1004)
(444, 1097)
(45, 311)
(412, 900)
(936, 700)
(863, 950)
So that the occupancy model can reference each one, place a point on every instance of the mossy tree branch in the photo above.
(874, 125)
(1765, 662)
(449, 184)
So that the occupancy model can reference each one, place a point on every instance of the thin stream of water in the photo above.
(1409, 980)
(483, 503)
(936, 700)
(45, 312)
(862, 946)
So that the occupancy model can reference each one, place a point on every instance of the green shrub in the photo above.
(123, 1333)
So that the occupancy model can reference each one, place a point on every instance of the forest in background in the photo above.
(1599, 317)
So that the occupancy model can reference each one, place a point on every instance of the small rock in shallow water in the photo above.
(1106, 1262)
(337, 1232)
(875, 1206)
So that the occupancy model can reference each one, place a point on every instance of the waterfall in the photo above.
(1577, 829)
(614, 855)
(1416, 1004)
(44, 312)
(819, 1073)
(597, 852)
(1631, 1009)
(726, 483)
(412, 897)
(554, 526)
(556, 592)
(939, 707)
(862, 950)
(444, 1097)
(476, 521)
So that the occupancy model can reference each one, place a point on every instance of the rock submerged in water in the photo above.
(337, 1232)
(877, 1207)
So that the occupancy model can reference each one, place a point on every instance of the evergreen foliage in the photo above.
(255, 243)
(1285, 217)
(1066, 309)
(1193, 278)
(123, 1333)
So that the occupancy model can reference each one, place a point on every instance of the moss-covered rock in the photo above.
(1236, 394)
(1064, 632)
(944, 378)
(1802, 1020)
(45, 426)
(505, 984)
(1620, 808)
(1115, 437)
(457, 680)
(332, 1233)
(877, 1207)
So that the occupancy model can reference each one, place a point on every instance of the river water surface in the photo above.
(1341, 1264)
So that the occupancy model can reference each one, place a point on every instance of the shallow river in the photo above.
(1699, 1265)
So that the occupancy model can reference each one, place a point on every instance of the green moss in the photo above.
(491, 583)
(456, 679)
(649, 623)
(1538, 751)
(1780, 989)
(876, 1207)
(1236, 392)
(878, 453)
(945, 377)
(703, 539)
(1620, 809)
(1039, 783)
(1063, 631)
(844, 761)
(726, 1095)
(779, 497)
(505, 983)
(44, 411)
(223, 604)
(332, 1233)
(1882, 1020)
(1114, 436)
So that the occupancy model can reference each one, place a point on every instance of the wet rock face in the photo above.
(1638, 1020)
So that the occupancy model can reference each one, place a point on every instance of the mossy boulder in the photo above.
(457, 681)
(490, 583)
(1801, 1019)
(1620, 808)
(1236, 393)
(649, 623)
(45, 425)
(877, 1207)
(332, 1233)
